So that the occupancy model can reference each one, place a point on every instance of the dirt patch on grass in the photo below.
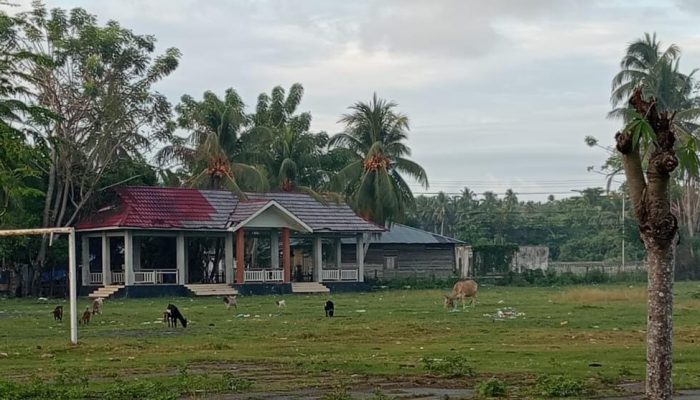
(594, 295)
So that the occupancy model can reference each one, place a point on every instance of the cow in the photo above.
(461, 290)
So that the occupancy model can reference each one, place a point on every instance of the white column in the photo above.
(274, 250)
(228, 257)
(360, 256)
(106, 261)
(338, 253)
(128, 258)
(85, 258)
(318, 258)
(180, 260)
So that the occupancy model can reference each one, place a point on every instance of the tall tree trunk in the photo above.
(659, 383)
(658, 228)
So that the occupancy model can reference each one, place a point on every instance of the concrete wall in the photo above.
(531, 257)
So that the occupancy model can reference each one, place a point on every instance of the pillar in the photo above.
(274, 250)
(137, 253)
(180, 259)
(106, 261)
(360, 257)
(318, 258)
(228, 257)
(286, 255)
(128, 258)
(240, 256)
(338, 253)
(85, 259)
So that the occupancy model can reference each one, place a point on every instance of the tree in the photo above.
(657, 92)
(292, 155)
(211, 153)
(98, 81)
(373, 181)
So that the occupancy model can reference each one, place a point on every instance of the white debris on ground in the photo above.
(505, 313)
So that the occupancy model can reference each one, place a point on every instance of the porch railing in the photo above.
(339, 275)
(264, 275)
(117, 277)
(156, 277)
(95, 278)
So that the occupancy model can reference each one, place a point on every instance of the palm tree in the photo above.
(373, 181)
(211, 152)
(283, 143)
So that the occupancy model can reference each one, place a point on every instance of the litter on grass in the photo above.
(506, 313)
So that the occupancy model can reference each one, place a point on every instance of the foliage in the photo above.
(449, 366)
(492, 388)
(586, 227)
(493, 258)
(374, 181)
(559, 386)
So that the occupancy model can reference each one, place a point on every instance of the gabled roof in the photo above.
(403, 234)
(194, 209)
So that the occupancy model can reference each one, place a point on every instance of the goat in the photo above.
(97, 306)
(281, 303)
(86, 316)
(231, 301)
(461, 290)
(329, 308)
(58, 313)
(173, 315)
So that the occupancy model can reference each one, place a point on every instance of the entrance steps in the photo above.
(105, 292)
(211, 289)
(309, 287)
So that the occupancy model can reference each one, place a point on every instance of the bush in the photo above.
(492, 388)
(450, 367)
(559, 386)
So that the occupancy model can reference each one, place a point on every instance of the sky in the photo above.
(500, 94)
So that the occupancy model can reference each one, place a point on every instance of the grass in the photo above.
(593, 336)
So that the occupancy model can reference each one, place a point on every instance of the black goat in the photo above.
(172, 315)
(329, 308)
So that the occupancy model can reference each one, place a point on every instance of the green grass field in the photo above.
(592, 335)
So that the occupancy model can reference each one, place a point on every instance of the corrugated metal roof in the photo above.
(403, 234)
(181, 208)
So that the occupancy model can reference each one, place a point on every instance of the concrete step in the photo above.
(215, 289)
(105, 292)
(309, 287)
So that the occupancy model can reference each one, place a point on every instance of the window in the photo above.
(390, 262)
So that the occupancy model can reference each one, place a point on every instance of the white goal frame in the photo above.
(72, 273)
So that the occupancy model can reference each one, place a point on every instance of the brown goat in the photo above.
(86, 317)
(461, 290)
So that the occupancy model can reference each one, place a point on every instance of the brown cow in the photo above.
(461, 290)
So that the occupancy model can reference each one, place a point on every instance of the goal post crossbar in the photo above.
(72, 273)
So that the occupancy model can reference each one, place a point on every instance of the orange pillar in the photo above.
(286, 256)
(240, 256)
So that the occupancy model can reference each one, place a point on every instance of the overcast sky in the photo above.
(499, 93)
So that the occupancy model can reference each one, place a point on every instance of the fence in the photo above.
(585, 267)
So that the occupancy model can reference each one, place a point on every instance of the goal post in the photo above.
(72, 272)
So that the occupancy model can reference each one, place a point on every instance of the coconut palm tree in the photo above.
(211, 153)
(374, 181)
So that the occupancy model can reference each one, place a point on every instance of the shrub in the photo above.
(559, 386)
(492, 388)
(451, 367)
